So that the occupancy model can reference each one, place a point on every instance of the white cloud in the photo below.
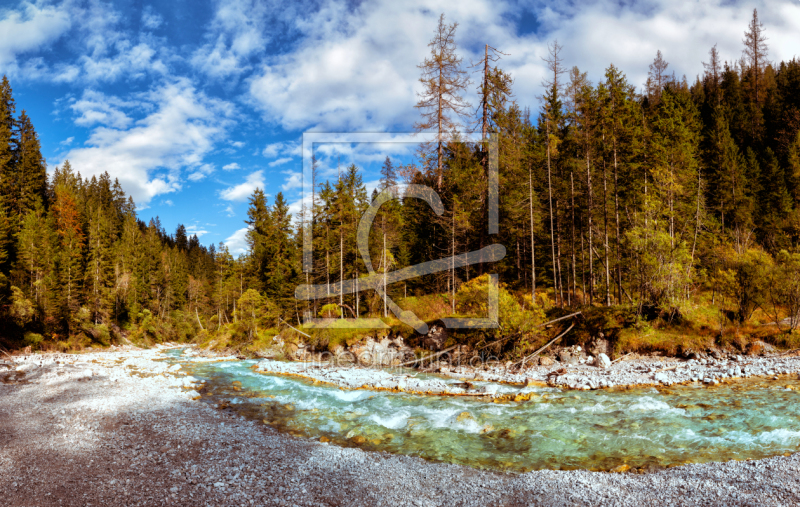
(237, 144)
(67, 141)
(356, 68)
(279, 161)
(97, 108)
(147, 157)
(292, 149)
(237, 32)
(230, 167)
(168, 202)
(151, 19)
(229, 211)
(293, 180)
(195, 230)
(27, 29)
(200, 172)
(237, 242)
(125, 59)
(244, 190)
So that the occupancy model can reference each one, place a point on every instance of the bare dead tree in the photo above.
(755, 51)
(443, 81)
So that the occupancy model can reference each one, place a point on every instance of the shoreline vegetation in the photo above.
(666, 219)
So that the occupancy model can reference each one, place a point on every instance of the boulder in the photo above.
(372, 353)
(435, 338)
(546, 361)
(603, 361)
(564, 356)
(488, 390)
(759, 348)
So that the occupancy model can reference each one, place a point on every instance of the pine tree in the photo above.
(31, 172)
(70, 252)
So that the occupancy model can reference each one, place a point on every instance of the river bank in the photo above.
(126, 428)
(638, 372)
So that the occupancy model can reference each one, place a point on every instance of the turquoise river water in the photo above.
(556, 429)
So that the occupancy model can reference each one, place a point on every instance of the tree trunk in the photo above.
(533, 251)
(590, 225)
(572, 241)
(605, 233)
(552, 227)
(616, 219)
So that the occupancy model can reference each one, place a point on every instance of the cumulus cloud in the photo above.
(237, 242)
(27, 29)
(149, 156)
(237, 31)
(95, 107)
(293, 180)
(151, 19)
(124, 59)
(356, 68)
(273, 150)
(230, 167)
(244, 190)
(101, 49)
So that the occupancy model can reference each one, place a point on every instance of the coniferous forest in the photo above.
(669, 210)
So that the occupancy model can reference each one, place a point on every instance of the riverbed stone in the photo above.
(603, 361)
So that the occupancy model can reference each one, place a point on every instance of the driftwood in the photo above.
(621, 358)
(525, 359)
(666, 368)
(198, 319)
(302, 333)
(501, 340)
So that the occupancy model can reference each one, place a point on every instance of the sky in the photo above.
(192, 104)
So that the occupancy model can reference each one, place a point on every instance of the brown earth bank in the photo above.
(123, 429)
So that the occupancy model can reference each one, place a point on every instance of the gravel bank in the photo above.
(638, 372)
(120, 428)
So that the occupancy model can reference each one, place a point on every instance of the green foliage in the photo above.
(472, 300)
(752, 270)
(331, 310)
(662, 268)
(783, 289)
(21, 309)
(33, 340)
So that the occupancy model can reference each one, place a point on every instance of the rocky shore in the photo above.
(126, 428)
(598, 374)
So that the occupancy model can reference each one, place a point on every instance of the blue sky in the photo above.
(192, 104)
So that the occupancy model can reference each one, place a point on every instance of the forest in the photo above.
(668, 213)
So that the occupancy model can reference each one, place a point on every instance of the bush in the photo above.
(21, 308)
(749, 290)
(783, 287)
(473, 298)
(330, 311)
(32, 340)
